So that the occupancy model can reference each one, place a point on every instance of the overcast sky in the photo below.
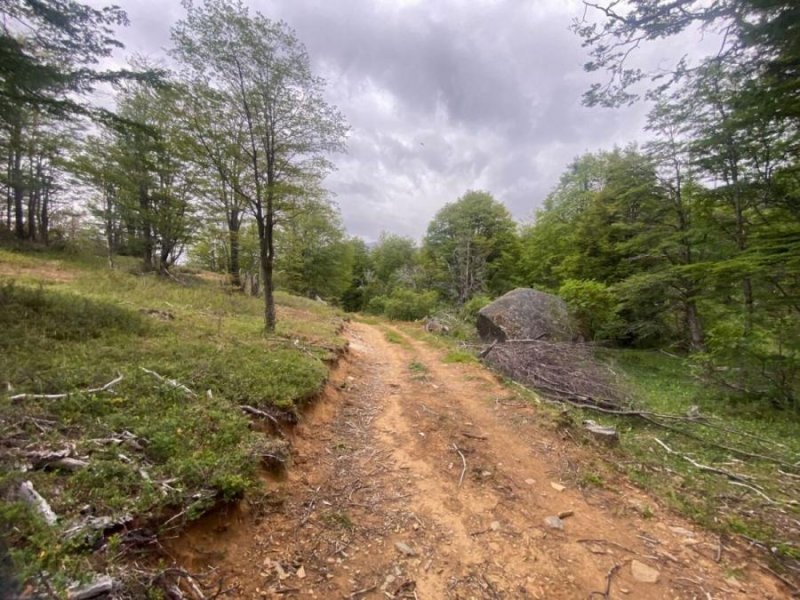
(442, 96)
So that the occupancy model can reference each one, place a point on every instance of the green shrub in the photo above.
(377, 305)
(408, 305)
(593, 306)
(471, 307)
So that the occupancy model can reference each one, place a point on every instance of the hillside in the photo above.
(123, 406)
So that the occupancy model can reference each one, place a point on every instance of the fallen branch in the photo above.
(729, 474)
(762, 494)
(32, 497)
(97, 390)
(170, 382)
(606, 595)
(473, 436)
(100, 586)
(784, 580)
(251, 410)
(464, 462)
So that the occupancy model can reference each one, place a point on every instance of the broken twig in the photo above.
(97, 390)
(170, 382)
(464, 462)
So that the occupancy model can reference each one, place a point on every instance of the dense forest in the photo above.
(689, 242)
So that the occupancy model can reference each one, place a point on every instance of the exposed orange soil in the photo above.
(377, 463)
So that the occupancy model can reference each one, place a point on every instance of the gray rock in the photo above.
(554, 523)
(405, 549)
(528, 314)
(642, 572)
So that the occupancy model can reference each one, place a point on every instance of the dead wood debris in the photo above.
(96, 390)
(463, 462)
(561, 370)
(29, 495)
(170, 382)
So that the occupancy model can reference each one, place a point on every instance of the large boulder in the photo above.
(527, 314)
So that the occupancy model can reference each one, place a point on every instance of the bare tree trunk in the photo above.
(17, 183)
(44, 213)
(33, 199)
(234, 224)
(147, 233)
(697, 341)
(269, 267)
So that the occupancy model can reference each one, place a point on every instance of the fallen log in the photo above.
(102, 586)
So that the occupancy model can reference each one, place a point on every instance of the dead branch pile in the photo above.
(559, 370)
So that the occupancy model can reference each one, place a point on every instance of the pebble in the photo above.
(557, 486)
(404, 548)
(554, 523)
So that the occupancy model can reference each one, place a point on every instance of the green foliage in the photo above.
(471, 247)
(313, 257)
(377, 305)
(471, 307)
(408, 305)
(593, 306)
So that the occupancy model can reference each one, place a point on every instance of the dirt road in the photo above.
(414, 478)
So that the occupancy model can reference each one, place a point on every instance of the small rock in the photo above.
(565, 513)
(530, 481)
(554, 523)
(495, 526)
(405, 549)
(301, 572)
(682, 531)
(641, 572)
(557, 486)
(486, 473)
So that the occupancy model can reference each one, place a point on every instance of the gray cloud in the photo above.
(442, 96)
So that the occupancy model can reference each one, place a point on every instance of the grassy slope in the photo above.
(71, 324)
(663, 384)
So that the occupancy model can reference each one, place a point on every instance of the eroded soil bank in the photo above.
(414, 478)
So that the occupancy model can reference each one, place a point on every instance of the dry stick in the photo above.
(762, 494)
(789, 584)
(607, 593)
(363, 591)
(103, 388)
(258, 413)
(170, 382)
(464, 462)
(702, 467)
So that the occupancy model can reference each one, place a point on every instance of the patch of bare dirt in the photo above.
(437, 483)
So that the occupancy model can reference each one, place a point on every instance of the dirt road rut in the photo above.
(414, 478)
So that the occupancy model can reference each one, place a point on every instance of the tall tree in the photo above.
(49, 56)
(470, 246)
(261, 73)
(314, 258)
